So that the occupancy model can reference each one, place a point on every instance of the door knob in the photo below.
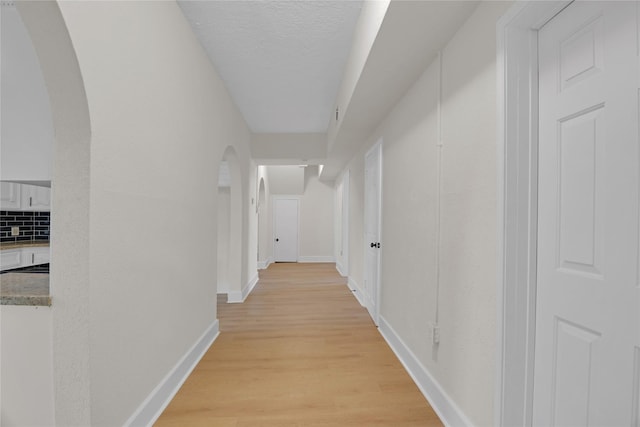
(277, 240)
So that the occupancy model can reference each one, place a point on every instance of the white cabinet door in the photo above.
(35, 198)
(11, 258)
(10, 196)
(41, 256)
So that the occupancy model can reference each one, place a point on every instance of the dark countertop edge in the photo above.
(19, 245)
(29, 300)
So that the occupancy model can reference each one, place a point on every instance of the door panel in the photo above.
(373, 206)
(285, 230)
(587, 322)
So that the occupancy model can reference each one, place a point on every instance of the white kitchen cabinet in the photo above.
(35, 198)
(10, 258)
(24, 257)
(24, 197)
(10, 196)
(35, 256)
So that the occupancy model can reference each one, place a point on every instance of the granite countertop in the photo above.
(29, 244)
(24, 289)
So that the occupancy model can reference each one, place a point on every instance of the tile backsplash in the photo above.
(34, 226)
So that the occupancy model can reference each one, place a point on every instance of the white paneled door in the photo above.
(285, 230)
(587, 307)
(372, 227)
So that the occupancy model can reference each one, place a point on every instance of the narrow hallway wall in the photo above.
(439, 218)
(160, 118)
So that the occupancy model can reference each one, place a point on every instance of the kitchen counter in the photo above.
(24, 289)
(20, 245)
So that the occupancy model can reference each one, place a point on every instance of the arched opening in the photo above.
(70, 182)
(229, 276)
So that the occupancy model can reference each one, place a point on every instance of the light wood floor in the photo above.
(300, 351)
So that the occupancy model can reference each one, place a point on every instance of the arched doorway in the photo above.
(70, 220)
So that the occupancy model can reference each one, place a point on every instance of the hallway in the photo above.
(300, 351)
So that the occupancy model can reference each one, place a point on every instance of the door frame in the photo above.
(343, 264)
(517, 145)
(273, 237)
(378, 288)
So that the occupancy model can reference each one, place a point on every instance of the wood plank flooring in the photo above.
(299, 352)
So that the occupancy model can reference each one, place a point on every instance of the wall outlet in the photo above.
(15, 231)
(434, 333)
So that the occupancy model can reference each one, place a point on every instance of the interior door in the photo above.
(285, 230)
(372, 214)
(587, 325)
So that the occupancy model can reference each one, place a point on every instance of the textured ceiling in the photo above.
(282, 61)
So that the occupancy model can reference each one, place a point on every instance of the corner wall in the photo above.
(439, 219)
(160, 118)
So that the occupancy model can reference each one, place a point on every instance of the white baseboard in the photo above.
(153, 406)
(262, 265)
(249, 287)
(450, 414)
(340, 268)
(321, 258)
(234, 297)
(356, 291)
(223, 288)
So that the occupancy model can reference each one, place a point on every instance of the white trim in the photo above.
(375, 303)
(156, 402)
(317, 258)
(517, 95)
(263, 265)
(448, 412)
(340, 269)
(246, 291)
(235, 297)
(357, 292)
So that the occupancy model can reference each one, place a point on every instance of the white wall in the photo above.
(265, 224)
(224, 218)
(26, 364)
(160, 117)
(316, 219)
(316, 216)
(285, 146)
(464, 362)
(27, 128)
(364, 35)
(287, 180)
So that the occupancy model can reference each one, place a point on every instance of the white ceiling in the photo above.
(282, 61)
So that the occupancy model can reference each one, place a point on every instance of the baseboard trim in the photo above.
(450, 414)
(235, 297)
(153, 406)
(340, 268)
(262, 265)
(249, 288)
(356, 291)
(316, 258)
